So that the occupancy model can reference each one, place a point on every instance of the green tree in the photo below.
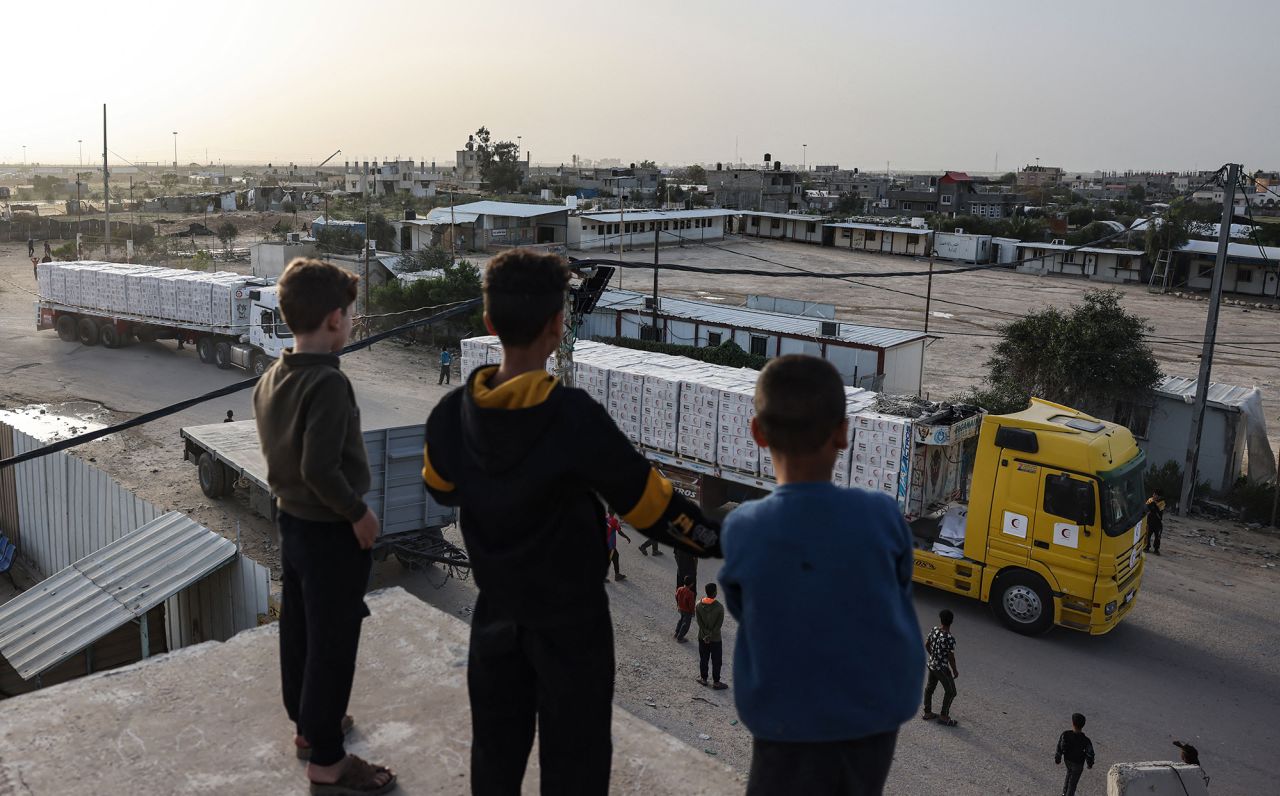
(499, 161)
(1167, 232)
(1008, 178)
(417, 299)
(1092, 356)
(429, 259)
(227, 232)
(695, 175)
(1138, 193)
(1080, 216)
(1089, 233)
(849, 203)
(646, 164)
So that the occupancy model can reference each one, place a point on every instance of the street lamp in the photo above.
(24, 154)
(804, 157)
(175, 152)
(80, 142)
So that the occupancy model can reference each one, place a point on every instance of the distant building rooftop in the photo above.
(879, 228)
(1062, 247)
(611, 216)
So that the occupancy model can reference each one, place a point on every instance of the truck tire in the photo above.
(87, 330)
(204, 349)
(110, 336)
(213, 476)
(1023, 602)
(260, 364)
(222, 355)
(67, 328)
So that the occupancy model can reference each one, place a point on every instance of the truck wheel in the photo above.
(1023, 602)
(88, 331)
(260, 364)
(67, 328)
(110, 336)
(213, 476)
(204, 349)
(222, 355)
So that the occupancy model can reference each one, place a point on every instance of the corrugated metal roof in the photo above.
(441, 215)
(1235, 251)
(513, 209)
(1061, 247)
(65, 613)
(787, 216)
(878, 228)
(654, 215)
(758, 320)
(1225, 396)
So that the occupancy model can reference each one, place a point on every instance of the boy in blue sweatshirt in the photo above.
(844, 554)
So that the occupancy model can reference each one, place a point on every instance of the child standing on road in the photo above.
(613, 529)
(309, 429)
(940, 652)
(1076, 750)
(710, 616)
(685, 599)
(828, 662)
(525, 458)
(1155, 521)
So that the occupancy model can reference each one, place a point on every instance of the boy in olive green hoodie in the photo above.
(710, 616)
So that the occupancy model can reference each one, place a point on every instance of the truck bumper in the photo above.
(1112, 601)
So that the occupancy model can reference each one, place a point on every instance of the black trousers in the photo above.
(613, 556)
(848, 768)
(1153, 536)
(712, 651)
(948, 690)
(444, 375)
(682, 626)
(686, 567)
(557, 678)
(322, 606)
(1074, 770)
(649, 544)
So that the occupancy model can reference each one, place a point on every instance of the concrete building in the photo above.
(952, 194)
(269, 258)
(769, 190)
(873, 238)
(868, 187)
(637, 228)
(795, 227)
(1250, 269)
(395, 177)
(1037, 177)
(1091, 262)
(874, 358)
(1234, 426)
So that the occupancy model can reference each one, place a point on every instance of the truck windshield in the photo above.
(281, 328)
(1123, 496)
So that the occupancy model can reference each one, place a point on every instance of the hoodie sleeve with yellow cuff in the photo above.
(644, 498)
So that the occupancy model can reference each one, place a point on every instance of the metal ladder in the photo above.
(1162, 272)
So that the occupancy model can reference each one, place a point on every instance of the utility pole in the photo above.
(657, 230)
(453, 233)
(928, 301)
(1210, 332)
(106, 187)
(622, 231)
(80, 143)
(367, 243)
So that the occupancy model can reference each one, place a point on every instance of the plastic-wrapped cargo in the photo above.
(857, 400)
(699, 416)
(168, 292)
(230, 303)
(44, 280)
(881, 454)
(735, 448)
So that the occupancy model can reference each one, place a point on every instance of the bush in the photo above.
(727, 353)
(1254, 500)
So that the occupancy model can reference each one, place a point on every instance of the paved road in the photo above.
(1196, 660)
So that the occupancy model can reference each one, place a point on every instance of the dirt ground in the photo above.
(1211, 596)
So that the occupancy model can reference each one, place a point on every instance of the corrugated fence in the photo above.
(58, 509)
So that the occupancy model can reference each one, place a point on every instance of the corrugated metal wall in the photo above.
(58, 509)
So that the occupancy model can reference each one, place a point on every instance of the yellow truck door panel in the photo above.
(1067, 539)
(951, 574)
(1013, 509)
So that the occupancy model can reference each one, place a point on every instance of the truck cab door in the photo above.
(259, 324)
(1067, 537)
(1013, 508)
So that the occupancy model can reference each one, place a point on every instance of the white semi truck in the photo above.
(232, 320)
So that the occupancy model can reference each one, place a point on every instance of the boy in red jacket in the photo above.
(685, 599)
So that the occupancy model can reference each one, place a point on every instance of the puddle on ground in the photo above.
(54, 422)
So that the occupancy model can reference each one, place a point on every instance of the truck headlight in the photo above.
(1111, 608)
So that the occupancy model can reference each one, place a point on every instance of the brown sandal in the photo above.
(303, 750)
(358, 779)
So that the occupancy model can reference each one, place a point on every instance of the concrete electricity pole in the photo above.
(1210, 332)
(106, 188)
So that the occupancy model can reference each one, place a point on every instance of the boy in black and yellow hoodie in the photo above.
(529, 461)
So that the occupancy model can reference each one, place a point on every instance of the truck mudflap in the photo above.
(44, 318)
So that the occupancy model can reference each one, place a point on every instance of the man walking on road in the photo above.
(31, 246)
(940, 647)
(686, 569)
(446, 361)
(612, 529)
(710, 614)
(685, 600)
(650, 544)
(1075, 748)
(1155, 520)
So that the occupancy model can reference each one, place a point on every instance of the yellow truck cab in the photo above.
(1052, 530)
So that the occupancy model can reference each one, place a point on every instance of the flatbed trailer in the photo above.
(227, 456)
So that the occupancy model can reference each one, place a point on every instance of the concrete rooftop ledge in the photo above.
(208, 719)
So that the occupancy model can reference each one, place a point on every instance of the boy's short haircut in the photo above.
(799, 403)
(523, 289)
(1077, 720)
(310, 289)
(946, 617)
(711, 590)
(688, 580)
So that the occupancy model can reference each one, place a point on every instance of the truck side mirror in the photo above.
(1082, 502)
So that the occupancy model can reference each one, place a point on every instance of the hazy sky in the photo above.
(1121, 84)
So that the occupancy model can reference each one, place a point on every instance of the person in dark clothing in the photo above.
(650, 544)
(48, 252)
(31, 246)
(446, 361)
(528, 461)
(1076, 751)
(309, 430)
(613, 529)
(710, 616)
(686, 569)
(940, 650)
(230, 418)
(1155, 521)
(686, 597)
